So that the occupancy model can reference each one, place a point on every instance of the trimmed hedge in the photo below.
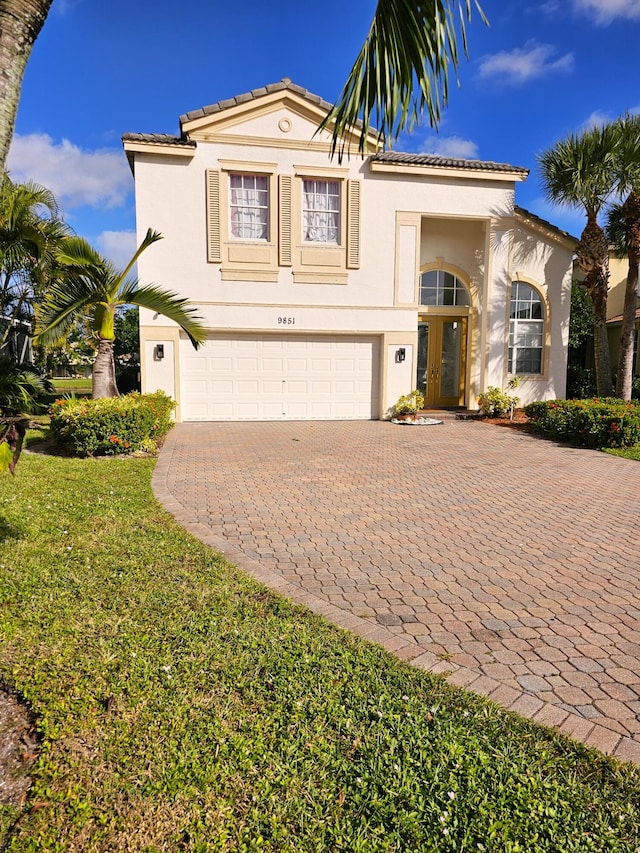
(589, 423)
(110, 426)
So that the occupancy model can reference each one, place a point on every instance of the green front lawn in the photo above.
(72, 386)
(183, 707)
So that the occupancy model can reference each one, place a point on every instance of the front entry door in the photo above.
(442, 360)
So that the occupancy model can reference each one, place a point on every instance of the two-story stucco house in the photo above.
(331, 289)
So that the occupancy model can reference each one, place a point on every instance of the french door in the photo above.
(442, 360)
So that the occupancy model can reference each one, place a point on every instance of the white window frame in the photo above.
(515, 323)
(310, 187)
(250, 208)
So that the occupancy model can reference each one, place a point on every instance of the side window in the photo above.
(321, 211)
(249, 207)
(526, 330)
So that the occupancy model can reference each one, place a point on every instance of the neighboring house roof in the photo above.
(544, 223)
(618, 319)
(402, 159)
(254, 94)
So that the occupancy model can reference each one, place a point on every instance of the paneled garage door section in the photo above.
(264, 378)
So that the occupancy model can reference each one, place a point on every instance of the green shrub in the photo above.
(409, 403)
(110, 426)
(594, 423)
(495, 403)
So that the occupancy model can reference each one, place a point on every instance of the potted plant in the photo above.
(408, 406)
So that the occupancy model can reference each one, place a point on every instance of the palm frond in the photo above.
(64, 304)
(169, 305)
(401, 71)
(580, 171)
(617, 231)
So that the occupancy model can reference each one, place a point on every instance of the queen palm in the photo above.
(92, 286)
(579, 172)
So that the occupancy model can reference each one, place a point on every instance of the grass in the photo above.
(625, 452)
(72, 386)
(183, 707)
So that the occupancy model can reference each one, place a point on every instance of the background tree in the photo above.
(580, 172)
(126, 350)
(623, 231)
(401, 71)
(93, 287)
(20, 25)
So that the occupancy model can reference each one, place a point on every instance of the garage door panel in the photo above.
(246, 365)
(287, 378)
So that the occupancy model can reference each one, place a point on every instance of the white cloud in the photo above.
(598, 118)
(605, 11)
(526, 63)
(450, 146)
(77, 177)
(117, 246)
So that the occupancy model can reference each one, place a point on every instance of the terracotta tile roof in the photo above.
(158, 139)
(402, 159)
(528, 215)
(285, 83)
(618, 319)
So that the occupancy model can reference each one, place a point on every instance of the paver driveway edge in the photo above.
(519, 701)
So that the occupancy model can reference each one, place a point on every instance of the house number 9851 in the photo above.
(286, 321)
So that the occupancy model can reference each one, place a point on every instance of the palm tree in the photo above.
(20, 25)
(623, 230)
(30, 234)
(579, 172)
(93, 286)
(401, 71)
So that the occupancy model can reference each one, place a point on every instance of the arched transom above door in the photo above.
(441, 288)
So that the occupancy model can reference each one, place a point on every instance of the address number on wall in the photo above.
(286, 321)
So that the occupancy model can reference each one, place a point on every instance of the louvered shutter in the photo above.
(214, 242)
(285, 254)
(353, 225)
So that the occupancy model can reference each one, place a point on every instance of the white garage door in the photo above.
(267, 378)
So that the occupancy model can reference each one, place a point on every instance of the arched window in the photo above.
(526, 329)
(438, 287)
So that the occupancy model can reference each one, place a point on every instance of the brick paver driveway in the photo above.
(506, 561)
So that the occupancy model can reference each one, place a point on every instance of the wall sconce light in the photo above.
(401, 354)
(158, 352)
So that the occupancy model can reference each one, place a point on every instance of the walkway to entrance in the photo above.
(508, 562)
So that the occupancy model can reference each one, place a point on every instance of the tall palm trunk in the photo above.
(592, 253)
(631, 214)
(103, 382)
(20, 25)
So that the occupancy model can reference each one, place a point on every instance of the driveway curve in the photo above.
(507, 563)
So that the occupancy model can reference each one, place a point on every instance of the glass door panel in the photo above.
(450, 356)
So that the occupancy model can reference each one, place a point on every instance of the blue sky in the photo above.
(541, 70)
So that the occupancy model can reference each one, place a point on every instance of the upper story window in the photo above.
(249, 206)
(438, 287)
(321, 211)
(526, 329)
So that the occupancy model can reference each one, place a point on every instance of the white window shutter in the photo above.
(285, 250)
(214, 240)
(353, 225)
